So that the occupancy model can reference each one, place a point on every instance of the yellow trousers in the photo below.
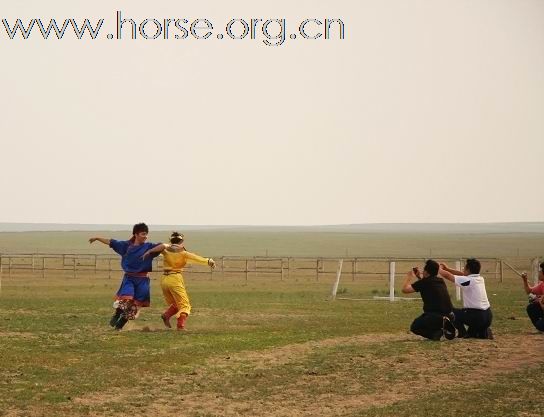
(174, 292)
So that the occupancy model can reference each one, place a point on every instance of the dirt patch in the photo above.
(146, 328)
(460, 363)
(100, 398)
(20, 311)
(18, 335)
(289, 353)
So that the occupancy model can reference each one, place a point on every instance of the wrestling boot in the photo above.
(181, 321)
(167, 314)
(115, 317)
(121, 322)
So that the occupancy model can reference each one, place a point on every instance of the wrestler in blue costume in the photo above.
(134, 290)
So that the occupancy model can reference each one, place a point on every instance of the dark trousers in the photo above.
(428, 325)
(534, 310)
(478, 321)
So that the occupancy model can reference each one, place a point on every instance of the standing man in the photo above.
(476, 312)
(436, 320)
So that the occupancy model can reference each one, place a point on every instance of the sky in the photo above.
(427, 111)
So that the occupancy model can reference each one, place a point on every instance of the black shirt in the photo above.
(434, 293)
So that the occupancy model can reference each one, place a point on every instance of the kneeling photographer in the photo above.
(437, 318)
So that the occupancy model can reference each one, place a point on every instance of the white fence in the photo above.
(284, 268)
(318, 269)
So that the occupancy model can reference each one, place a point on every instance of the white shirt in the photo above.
(474, 293)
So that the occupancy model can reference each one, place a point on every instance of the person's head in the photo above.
(430, 269)
(139, 233)
(176, 238)
(472, 266)
(541, 272)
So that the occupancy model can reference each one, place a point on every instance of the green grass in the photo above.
(514, 395)
(298, 243)
(250, 344)
(263, 346)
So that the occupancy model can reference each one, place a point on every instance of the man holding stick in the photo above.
(535, 309)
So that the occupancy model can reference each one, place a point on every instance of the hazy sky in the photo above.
(427, 111)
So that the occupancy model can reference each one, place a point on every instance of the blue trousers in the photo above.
(477, 321)
(136, 289)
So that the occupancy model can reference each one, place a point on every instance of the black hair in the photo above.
(176, 238)
(542, 266)
(473, 266)
(431, 267)
(139, 228)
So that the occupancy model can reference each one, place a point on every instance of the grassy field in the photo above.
(264, 347)
(298, 243)
(257, 348)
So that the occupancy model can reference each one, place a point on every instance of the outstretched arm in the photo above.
(154, 249)
(100, 239)
(528, 289)
(446, 268)
(446, 274)
(194, 258)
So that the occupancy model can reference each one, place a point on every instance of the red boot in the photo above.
(181, 321)
(167, 314)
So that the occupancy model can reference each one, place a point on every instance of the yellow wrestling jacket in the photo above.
(176, 257)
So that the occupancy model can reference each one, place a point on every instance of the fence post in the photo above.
(458, 289)
(392, 266)
(223, 267)
(354, 269)
(501, 270)
(317, 270)
(281, 269)
(391, 281)
(497, 269)
(288, 268)
(247, 269)
(74, 265)
(338, 274)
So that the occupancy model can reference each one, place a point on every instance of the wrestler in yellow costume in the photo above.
(172, 283)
